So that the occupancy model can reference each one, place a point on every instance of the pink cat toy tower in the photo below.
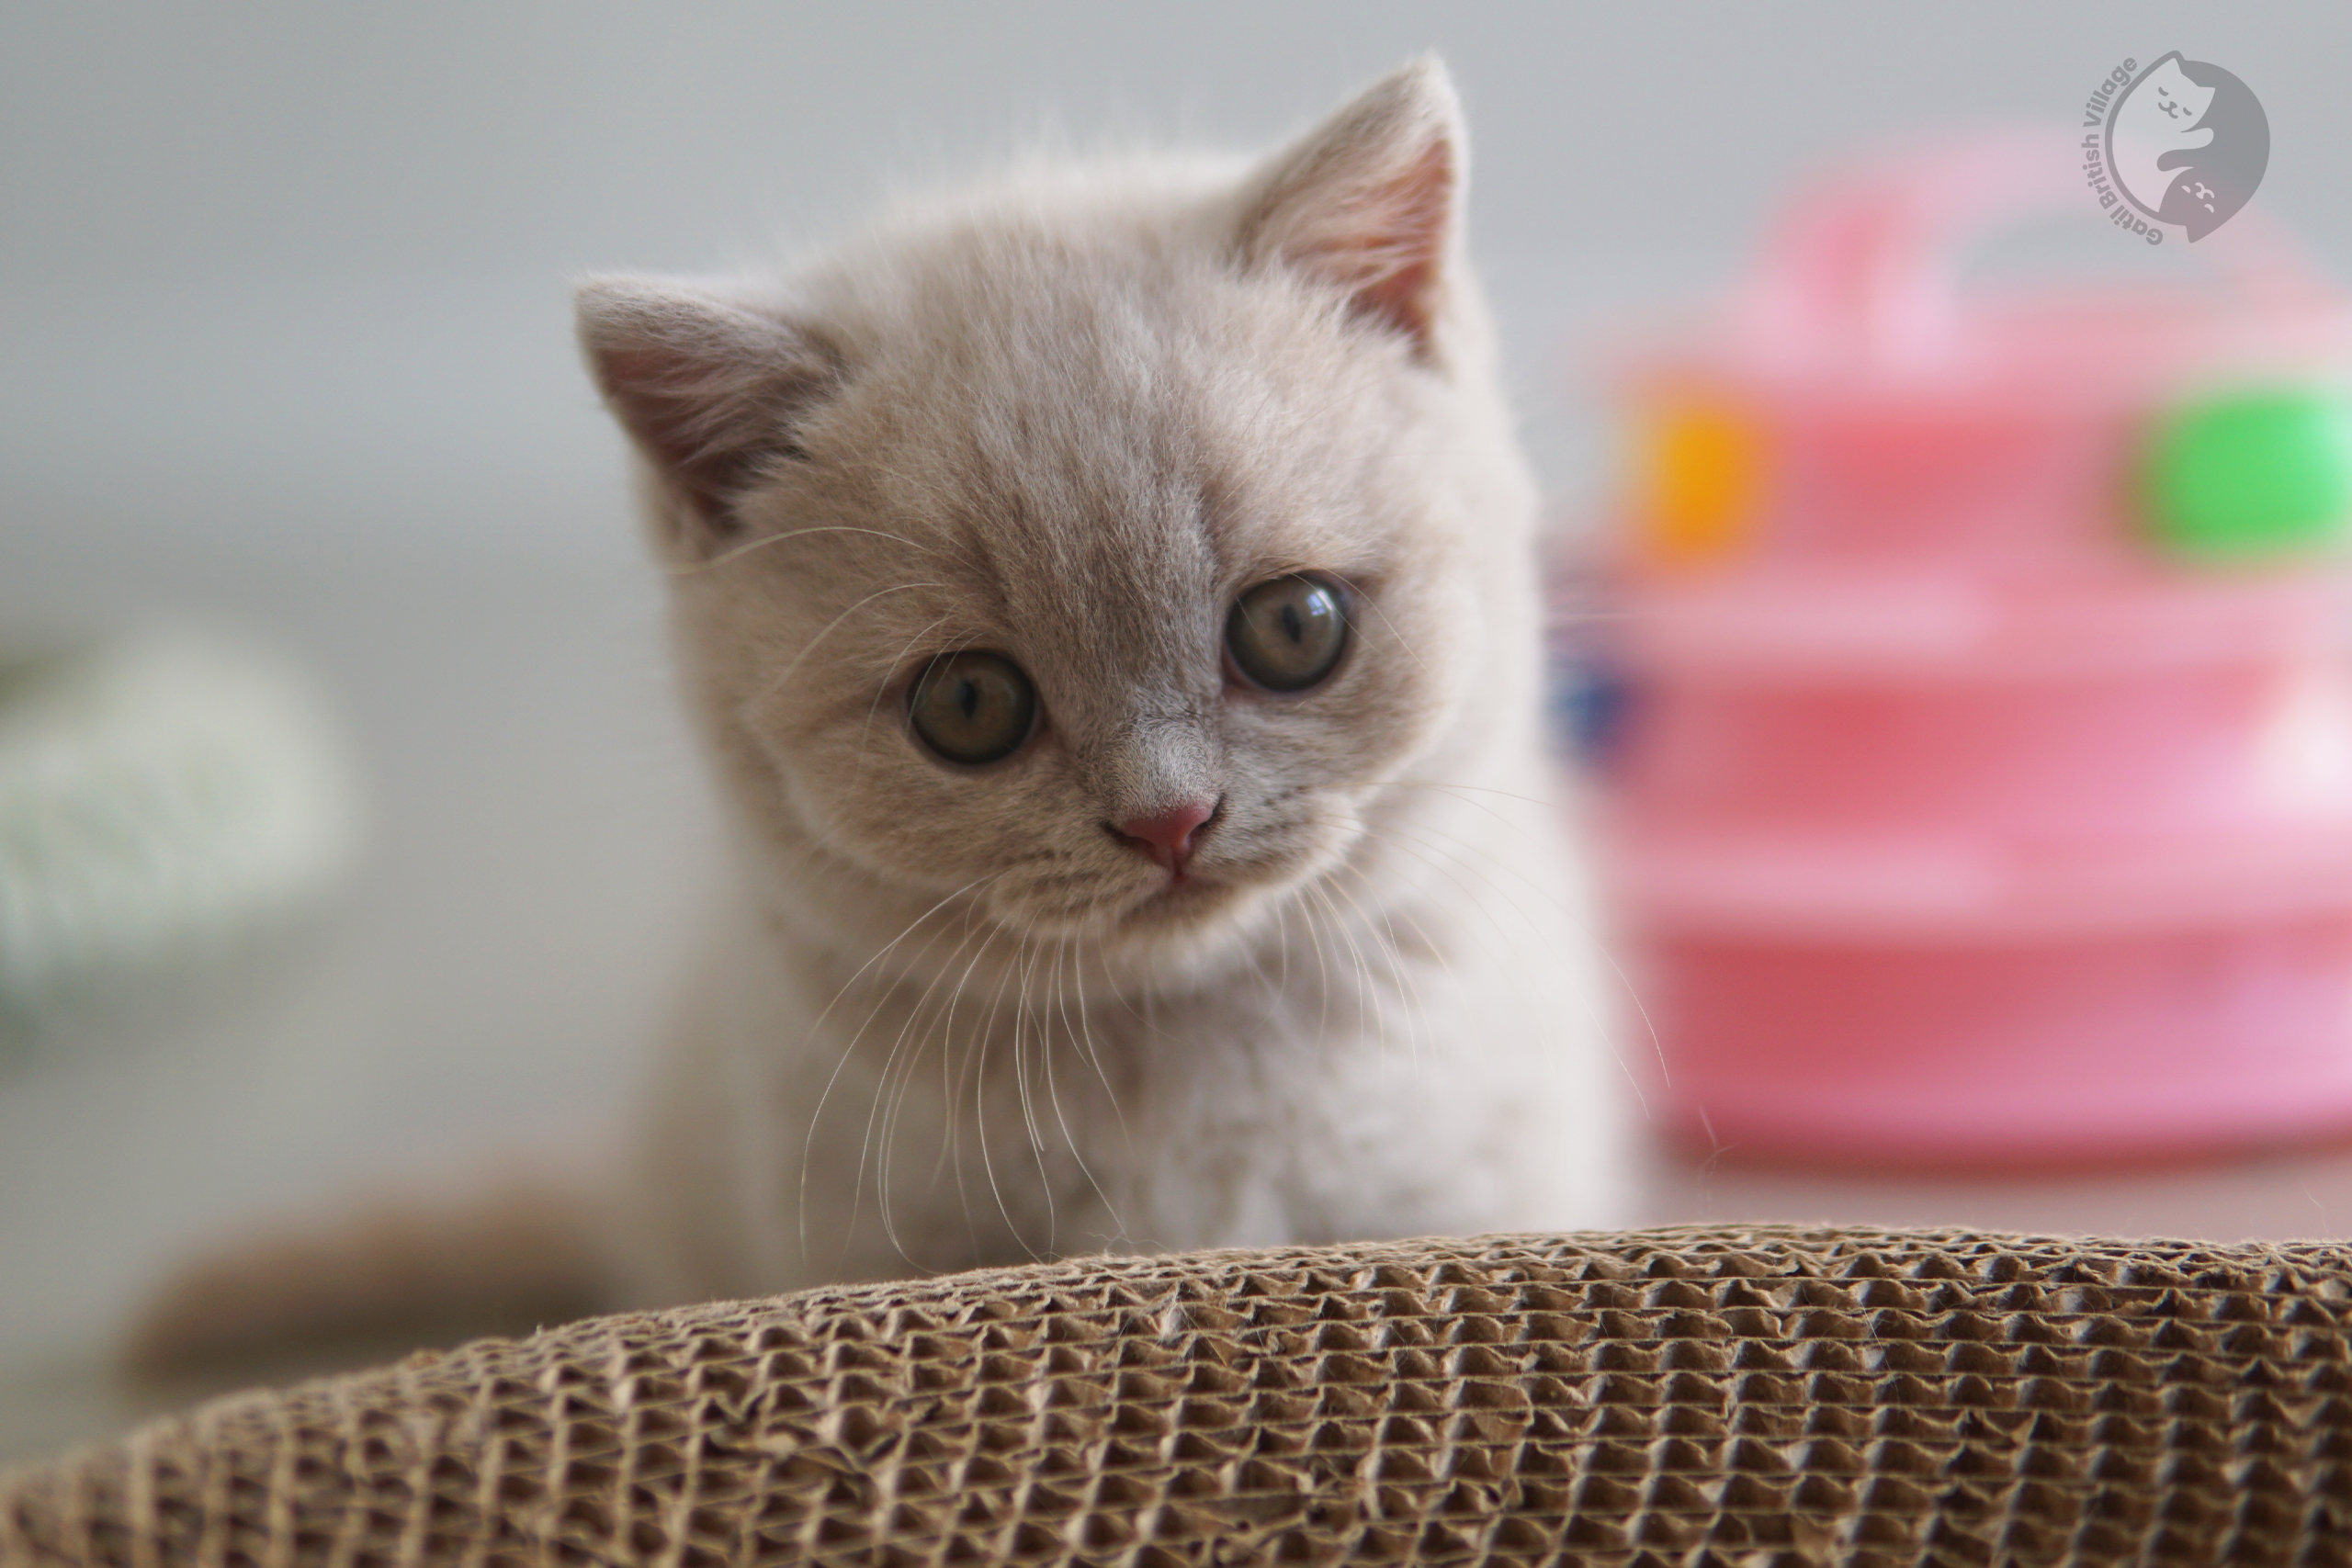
(1983, 788)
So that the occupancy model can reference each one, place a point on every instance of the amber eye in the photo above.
(973, 708)
(1287, 633)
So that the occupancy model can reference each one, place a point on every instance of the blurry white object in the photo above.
(161, 799)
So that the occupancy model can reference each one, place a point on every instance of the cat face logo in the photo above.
(2186, 143)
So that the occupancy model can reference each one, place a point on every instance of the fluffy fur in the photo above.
(950, 1017)
(953, 1019)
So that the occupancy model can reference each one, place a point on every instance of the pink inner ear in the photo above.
(1388, 250)
(656, 391)
(708, 389)
(1403, 293)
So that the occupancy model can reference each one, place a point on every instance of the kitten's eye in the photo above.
(1287, 633)
(973, 708)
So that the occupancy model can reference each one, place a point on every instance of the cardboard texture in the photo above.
(1684, 1396)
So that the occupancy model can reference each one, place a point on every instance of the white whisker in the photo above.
(889, 1101)
(1053, 1095)
(979, 1100)
(809, 647)
(817, 1114)
(1086, 1035)
(1396, 965)
(1367, 998)
(728, 557)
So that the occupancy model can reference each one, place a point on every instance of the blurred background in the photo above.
(286, 364)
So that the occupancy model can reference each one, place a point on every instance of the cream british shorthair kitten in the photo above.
(1109, 603)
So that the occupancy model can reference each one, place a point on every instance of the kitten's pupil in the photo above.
(1293, 628)
(967, 697)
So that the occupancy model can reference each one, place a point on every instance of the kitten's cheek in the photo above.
(827, 799)
(807, 804)
(1332, 834)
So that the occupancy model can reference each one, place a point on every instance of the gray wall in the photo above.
(294, 270)
(145, 143)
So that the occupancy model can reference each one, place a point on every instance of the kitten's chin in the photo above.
(1173, 933)
(1193, 930)
(1183, 913)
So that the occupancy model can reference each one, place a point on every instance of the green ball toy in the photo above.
(2252, 476)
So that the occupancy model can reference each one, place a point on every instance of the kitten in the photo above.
(1108, 601)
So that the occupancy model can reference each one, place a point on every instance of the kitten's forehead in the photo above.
(1102, 409)
(1101, 439)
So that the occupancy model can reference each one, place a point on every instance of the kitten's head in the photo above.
(1097, 553)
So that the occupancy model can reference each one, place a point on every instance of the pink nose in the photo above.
(1170, 838)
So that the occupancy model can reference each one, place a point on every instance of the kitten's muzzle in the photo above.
(1169, 838)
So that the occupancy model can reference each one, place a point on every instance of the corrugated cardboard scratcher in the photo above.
(1687, 1396)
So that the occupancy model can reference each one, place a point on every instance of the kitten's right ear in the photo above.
(707, 386)
(1371, 202)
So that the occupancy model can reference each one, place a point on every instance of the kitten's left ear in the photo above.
(1371, 202)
